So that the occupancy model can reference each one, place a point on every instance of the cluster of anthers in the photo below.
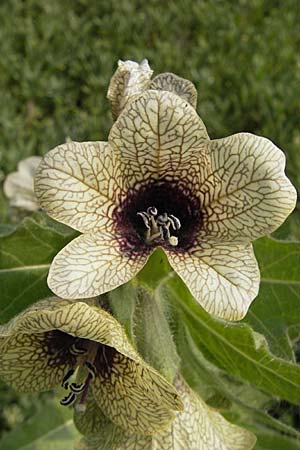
(158, 227)
(77, 389)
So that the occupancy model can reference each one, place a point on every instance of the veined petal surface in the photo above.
(76, 318)
(77, 183)
(27, 366)
(173, 83)
(199, 427)
(247, 194)
(93, 264)
(135, 397)
(161, 137)
(224, 279)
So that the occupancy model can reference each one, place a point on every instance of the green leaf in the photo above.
(277, 308)
(235, 348)
(245, 404)
(266, 440)
(6, 228)
(26, 254)
(156, 270)
(51, 428)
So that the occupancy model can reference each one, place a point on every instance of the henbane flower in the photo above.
(160, 181)
(198, 427)
(55, 340)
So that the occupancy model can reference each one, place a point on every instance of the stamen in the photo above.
(152, 211)
(75, 351)
(159, 229)
(77, 388)
(162, 219)
(68, 400)
(68, 375)
(175, 222)
(92, 369)
(146, 219)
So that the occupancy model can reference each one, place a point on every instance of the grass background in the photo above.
(57, 59)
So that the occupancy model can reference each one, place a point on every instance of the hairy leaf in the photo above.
(235, 348)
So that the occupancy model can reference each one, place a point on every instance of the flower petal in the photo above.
(76, 318)
(248, 194)
(199, 427)
(27, 366)
(179, 86)
(77, 183)
(93, 264)
(91, 420)
(160, 137)
(129, 80)
(128, 396)
(224, 279)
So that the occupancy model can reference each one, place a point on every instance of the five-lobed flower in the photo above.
(160, 181)
(55, 340)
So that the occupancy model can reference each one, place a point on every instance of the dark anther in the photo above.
(146, 219)
(68, 375)
(162, 219)
(74, 350)
(68, 400)
(152, 211)
(92, 369)
(175, 222)
(77, 388)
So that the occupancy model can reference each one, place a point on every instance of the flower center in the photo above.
(141, 225)
(86, 360)
(158, 227)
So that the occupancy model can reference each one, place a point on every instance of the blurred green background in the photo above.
(57, 59)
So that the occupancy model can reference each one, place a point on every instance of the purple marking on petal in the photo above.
(167, 197)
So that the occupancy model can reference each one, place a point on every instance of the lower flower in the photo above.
(198, 427)
(85, 350)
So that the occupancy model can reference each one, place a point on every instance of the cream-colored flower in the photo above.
(18, 186)
(198, 427)
(56, 339)
(160, 181)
